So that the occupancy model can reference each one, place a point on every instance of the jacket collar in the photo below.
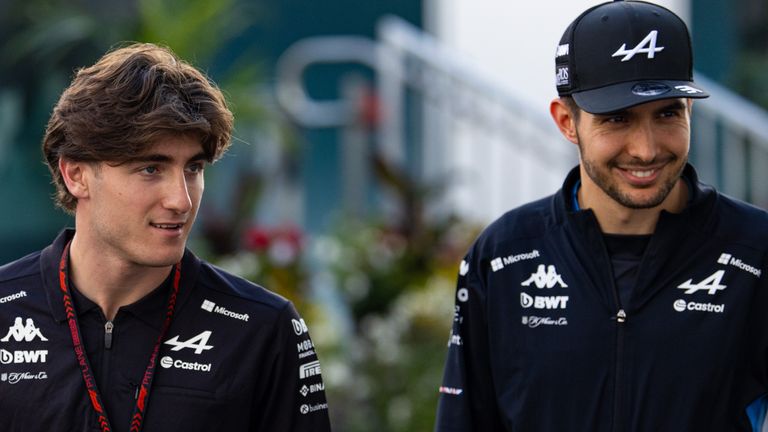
(49, 268)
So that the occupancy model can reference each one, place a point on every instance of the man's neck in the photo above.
(108, 281)
(615, 218)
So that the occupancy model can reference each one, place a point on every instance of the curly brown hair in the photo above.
(130, 98)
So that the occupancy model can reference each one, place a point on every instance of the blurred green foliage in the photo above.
(381, 331)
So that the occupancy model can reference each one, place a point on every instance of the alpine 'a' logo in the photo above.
(712, 284)
(646, 46)
(199, 343)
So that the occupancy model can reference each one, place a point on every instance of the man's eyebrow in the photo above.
(676, 104)
(622, 112)
(162, 158)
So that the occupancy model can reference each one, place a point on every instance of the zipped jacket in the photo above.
(236, 357)
(541, 342)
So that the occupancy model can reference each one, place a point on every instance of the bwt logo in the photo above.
(299, 326)
(8, 357)
(543, 302)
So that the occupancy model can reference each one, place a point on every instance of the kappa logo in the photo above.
(198, 343)
(545, 277)
(646, 46)
(712, 284)
(23, 333)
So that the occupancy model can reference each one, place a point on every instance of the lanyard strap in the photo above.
(137, 420)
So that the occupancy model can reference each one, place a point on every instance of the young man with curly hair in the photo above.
(124, 328)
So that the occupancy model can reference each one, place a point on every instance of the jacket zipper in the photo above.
(104, 373)
(621, 317)
(109, 326)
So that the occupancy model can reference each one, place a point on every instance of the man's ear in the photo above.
(75, 177)
(564, 119)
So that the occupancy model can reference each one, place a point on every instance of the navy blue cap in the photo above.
(624, 53)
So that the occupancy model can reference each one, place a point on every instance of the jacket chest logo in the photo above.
(545, 277)
(711, 285)
(542, 278)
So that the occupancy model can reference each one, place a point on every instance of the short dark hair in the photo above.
(130, 98)
(572, 106)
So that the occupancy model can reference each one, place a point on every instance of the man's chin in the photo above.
(162, 261)
(639, 202)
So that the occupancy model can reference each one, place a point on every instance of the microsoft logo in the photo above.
(208, 305)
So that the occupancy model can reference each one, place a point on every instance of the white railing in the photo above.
(444, 121)
(496, 151)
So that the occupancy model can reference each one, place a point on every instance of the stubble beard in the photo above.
(603, 179)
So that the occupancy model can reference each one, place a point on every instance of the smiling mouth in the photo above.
(642, 174)
(168, 226)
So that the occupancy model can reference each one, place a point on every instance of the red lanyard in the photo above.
(137, 420)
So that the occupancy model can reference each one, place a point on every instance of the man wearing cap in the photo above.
(633, 299)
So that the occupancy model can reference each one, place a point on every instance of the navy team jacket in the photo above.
(236, 358)
(541, 343)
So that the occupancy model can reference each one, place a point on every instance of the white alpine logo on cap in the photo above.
(688, 89)
(647, 46)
